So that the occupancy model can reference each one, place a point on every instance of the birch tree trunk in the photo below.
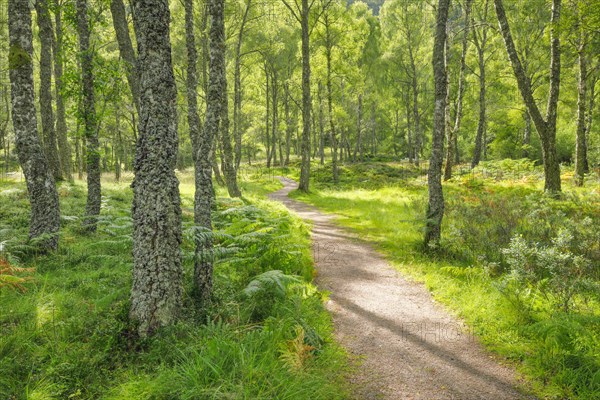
(46, 35)
(321, 126)
(306, 100)
(480, 44)
(581, 145)
(435, 207)
(192, 79)
(45, 214)
(237, 90)
(156, 295)
(92, 206)
(546, 127)
(227, 150)
(332, 132)
(203, 269)
(126, 51)
(64, 149)
(274, 125)
(453, 130)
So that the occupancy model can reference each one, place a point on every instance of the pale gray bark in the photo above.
(64, 149)
(359, 128)
(409, 135)
(43, 198)
(526, 134)
(267, 117)
(218, 40)
(227, 165)
(46, 35)
(192, 78)
(274, 115)
(453, 129)
(373, 130)
(321, 125)
(416, 149)
(237, 89)
(546, 127)
(288, 124)
(92, 206)
(119, 146)
(435, 207)
(203, 271)
(78, 155)
(306, 100)
(332, 131)
(581, 145)
(126, 51)
(156, 294)
(481, 40)
(594, 76)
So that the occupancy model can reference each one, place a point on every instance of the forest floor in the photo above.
(407, 345)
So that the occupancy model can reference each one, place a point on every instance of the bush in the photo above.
(553, 270)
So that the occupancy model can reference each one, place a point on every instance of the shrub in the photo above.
(556, 270)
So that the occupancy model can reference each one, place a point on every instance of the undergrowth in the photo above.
(66, 334)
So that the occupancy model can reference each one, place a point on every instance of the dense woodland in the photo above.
(150, 131)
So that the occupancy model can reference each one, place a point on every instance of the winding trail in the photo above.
(409, 346)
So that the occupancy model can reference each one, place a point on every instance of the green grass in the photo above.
(68, 335)
(557, 354)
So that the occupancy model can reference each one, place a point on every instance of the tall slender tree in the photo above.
(192, 78)
(64, 149)
(203, 269)
(126, 50)
(92, 207)
(582, 98)
(545, 126)
(46, 35)
(43, 197)
(156, 294)
(227, 161)
(435, 207)
(301, 13)
(237, 88)
(480, 39)
(330, 41)
(454, 126)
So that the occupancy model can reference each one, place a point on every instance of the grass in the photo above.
(68, 335)
(556, 353)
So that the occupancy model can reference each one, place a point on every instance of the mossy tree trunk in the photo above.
(454, 128)
(581, 142)
(329, 44)
(45, 213)
(64, 149)
(237, 90)
(546, 127)
(92, 206)
(203, 269)
(126, 51)
(46, 35)
(480, 38)
(435, 207)
(156, 294)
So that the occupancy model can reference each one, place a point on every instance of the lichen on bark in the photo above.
(156, 294)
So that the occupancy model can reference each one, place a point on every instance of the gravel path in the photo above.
(409, 346)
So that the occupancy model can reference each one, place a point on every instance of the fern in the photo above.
(9, 276)
(296, 352)
(274, 280)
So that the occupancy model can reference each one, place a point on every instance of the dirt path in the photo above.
(410, 347)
